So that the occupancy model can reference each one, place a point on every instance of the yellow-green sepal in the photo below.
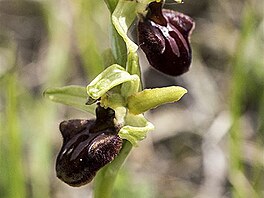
(148, 99)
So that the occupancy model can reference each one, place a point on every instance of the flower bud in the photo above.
(88, 145)
(163, 36)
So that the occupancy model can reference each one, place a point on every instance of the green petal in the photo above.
(135, 129)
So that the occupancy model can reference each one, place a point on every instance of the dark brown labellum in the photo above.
(87, 147)
(164, 37)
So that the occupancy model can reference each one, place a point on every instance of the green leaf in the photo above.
(108, 57)
(151, 98)
(74, 96)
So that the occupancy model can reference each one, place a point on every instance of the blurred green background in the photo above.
(210, 144)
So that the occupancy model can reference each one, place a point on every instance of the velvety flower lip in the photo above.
(164, 36)
(88, 145)
(155, 41)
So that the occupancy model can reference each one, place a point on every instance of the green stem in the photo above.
(14, 159)
(104, 180)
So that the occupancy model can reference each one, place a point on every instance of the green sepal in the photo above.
(110, 78)
(122, 18)
(148, 99)
(111, 4)
(74, 96)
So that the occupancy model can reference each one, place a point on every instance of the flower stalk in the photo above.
(118, 88)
